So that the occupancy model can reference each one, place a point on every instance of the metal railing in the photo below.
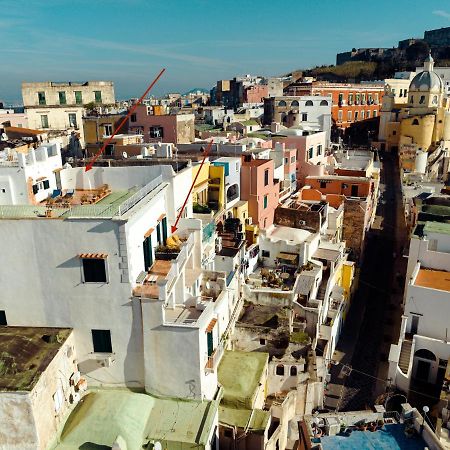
(139, 195)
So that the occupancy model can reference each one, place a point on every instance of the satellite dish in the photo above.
(157, 446)
(124, 155)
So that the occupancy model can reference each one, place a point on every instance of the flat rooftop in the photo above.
(104, 414)
(262, 315)
(240, 374)
(25, 352)
(434, 279)
(436, 227)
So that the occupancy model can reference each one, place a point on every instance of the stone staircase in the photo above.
(405, 356)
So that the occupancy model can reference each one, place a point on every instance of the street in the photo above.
(373, 320)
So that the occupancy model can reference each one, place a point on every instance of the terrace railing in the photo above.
(139, 195)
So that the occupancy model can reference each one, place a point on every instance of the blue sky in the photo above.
(198, 41)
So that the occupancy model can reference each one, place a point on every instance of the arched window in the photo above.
(422, 99)
(415, 122)
(295, 103)
(425, 354)
(323, 103)
(293, 371)
(281, 103)
(280, 370)
(308, 103)
(435, 99)
(411, 99)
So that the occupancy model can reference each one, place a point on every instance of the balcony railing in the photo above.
(139, 195)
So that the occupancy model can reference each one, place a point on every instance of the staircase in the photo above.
(405, 356)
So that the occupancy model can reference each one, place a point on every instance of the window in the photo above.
(323, 185)
(362, 115)
(363, 99)
(148, 253)
(295, 103)
(101, 340)
(323, 103)
(109, 150)
(262, 341)
(265, 253)
(292, 159)
(368, 114)
(286, 160)
(133, 117)
(46, 184)
(293, 371)
(304, 117)
(265, 201)
(349, 116)
(41, 98)
(108, 129)
(3, 321)
(375, 113)
(350, 99)
(435, 99)
(98, 96)
(394, 133)
(308, 103)
(415, 122)
(356, 116)
(156, 132)
(422, 99)
(44, 121)
(310, 152)
(369, 99)
(354, 192)
(411, 99)
(94, 270)
(73, 120)
(78, 97)
(357, 101)
(319, 150)
(62, 98)
(281, 103)
(266, 177)
(280, 370)
(340, 115)
(340, 98)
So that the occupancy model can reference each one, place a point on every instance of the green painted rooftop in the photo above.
(25, 352)
(255, 419)
(240, 374)
(437, 227)
(103, 415)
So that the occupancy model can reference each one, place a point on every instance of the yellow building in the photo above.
(418, 129)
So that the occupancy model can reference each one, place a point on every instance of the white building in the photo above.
(422, 352)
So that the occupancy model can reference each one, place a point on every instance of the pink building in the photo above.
(311, 152)
(260, 189)
(9, 118)
(174, 128)
(256, 93)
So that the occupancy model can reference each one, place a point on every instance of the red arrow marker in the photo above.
(108, 141)
(208, 149)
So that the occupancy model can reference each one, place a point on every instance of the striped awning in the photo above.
(93, 255)
(210, 326)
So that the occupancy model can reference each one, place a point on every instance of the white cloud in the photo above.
(441, 13)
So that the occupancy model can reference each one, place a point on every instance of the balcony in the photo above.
(213, 360)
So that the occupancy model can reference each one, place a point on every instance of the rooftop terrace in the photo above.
(25, 352)
(434, 279)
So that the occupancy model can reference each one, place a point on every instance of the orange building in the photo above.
(351, 102)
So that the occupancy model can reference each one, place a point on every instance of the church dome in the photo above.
(426, 81)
